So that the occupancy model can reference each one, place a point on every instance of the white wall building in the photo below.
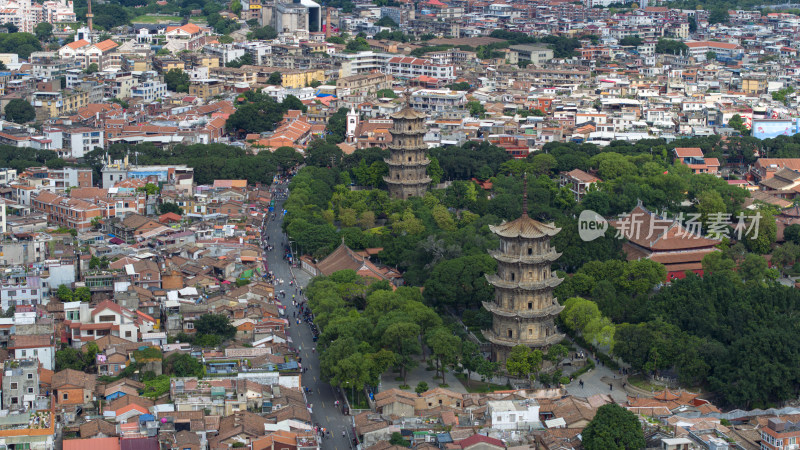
(149, 91)
(514, 414)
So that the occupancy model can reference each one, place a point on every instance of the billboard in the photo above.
(770, 128)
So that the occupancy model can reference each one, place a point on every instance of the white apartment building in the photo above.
(149, 91)
(7, 175)
(410, 67)
(83, 324)
(438, 99)
(26, 14)
(514, 414)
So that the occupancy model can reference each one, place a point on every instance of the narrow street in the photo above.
(321, 396)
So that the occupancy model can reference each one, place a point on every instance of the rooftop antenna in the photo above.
(525, 194)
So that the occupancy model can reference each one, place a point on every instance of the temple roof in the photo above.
(408, 113)
(524, 227)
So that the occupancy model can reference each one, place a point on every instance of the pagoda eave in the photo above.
(421, 181)
(550, 311)
(537, 259)
(541, 342)
(498, 282)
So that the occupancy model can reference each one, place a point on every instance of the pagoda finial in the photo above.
(525, 194)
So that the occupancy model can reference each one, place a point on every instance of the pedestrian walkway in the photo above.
(417, 374)
(320, 396)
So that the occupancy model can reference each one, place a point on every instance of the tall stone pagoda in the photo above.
(524, 309)
(408, 165)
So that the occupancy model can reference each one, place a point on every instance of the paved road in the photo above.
(321, 396)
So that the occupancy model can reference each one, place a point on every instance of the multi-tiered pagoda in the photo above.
(524, 309)
(408, 165)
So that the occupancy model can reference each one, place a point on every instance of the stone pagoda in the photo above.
(408, 165)
(524, 309)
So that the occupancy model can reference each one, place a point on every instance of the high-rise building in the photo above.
(408, 165)
(524, 309)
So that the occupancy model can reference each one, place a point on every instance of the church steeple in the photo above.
(352, 124)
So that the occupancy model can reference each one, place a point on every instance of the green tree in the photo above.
(177, 80)
(471, 358)
(169, 207)
(445, 347)
(402, 339)
(613, 427)
(398, 439)
(337, 126)
(92, 68)
(578, 312)
(737, 123)
(421, 387)
(718, 15)
(43, 31)
(460, 281)
(711, 55)
(287, 157)
(518, 362)
(460, 86)
(672, 47)
(716, 262)
(475, 108)
(82, 294)
(386, 93)
(64, 293)
(792, 233)
(386, 21)
(19, 111)
(185, 365)
(359, 44)
(435, 171)
(631, 41)
(761, 232)
(236, 7)
(265, 33)
(275, 79)
(69, 358)
(217, 324)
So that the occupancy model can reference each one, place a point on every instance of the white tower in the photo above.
(352, 123)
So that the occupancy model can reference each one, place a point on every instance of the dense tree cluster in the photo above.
(19, 111)
(210, 162)
(367, 328)
(260, 112)
(177, 80)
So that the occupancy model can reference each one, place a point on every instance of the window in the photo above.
(530, 251)
(14, 386)
(24, 353)
(530, 331)
(190, 326)
(30, 390)
(530, 305)
(107, 318)
(512, 276)
(510, 333)
(127, 334)
(65, 396)
(30, 376)
(14, 400)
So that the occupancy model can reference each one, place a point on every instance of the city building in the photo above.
(20, 384)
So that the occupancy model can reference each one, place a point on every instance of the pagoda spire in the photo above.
(525, 194)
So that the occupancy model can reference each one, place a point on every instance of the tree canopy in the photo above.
(613, 428)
